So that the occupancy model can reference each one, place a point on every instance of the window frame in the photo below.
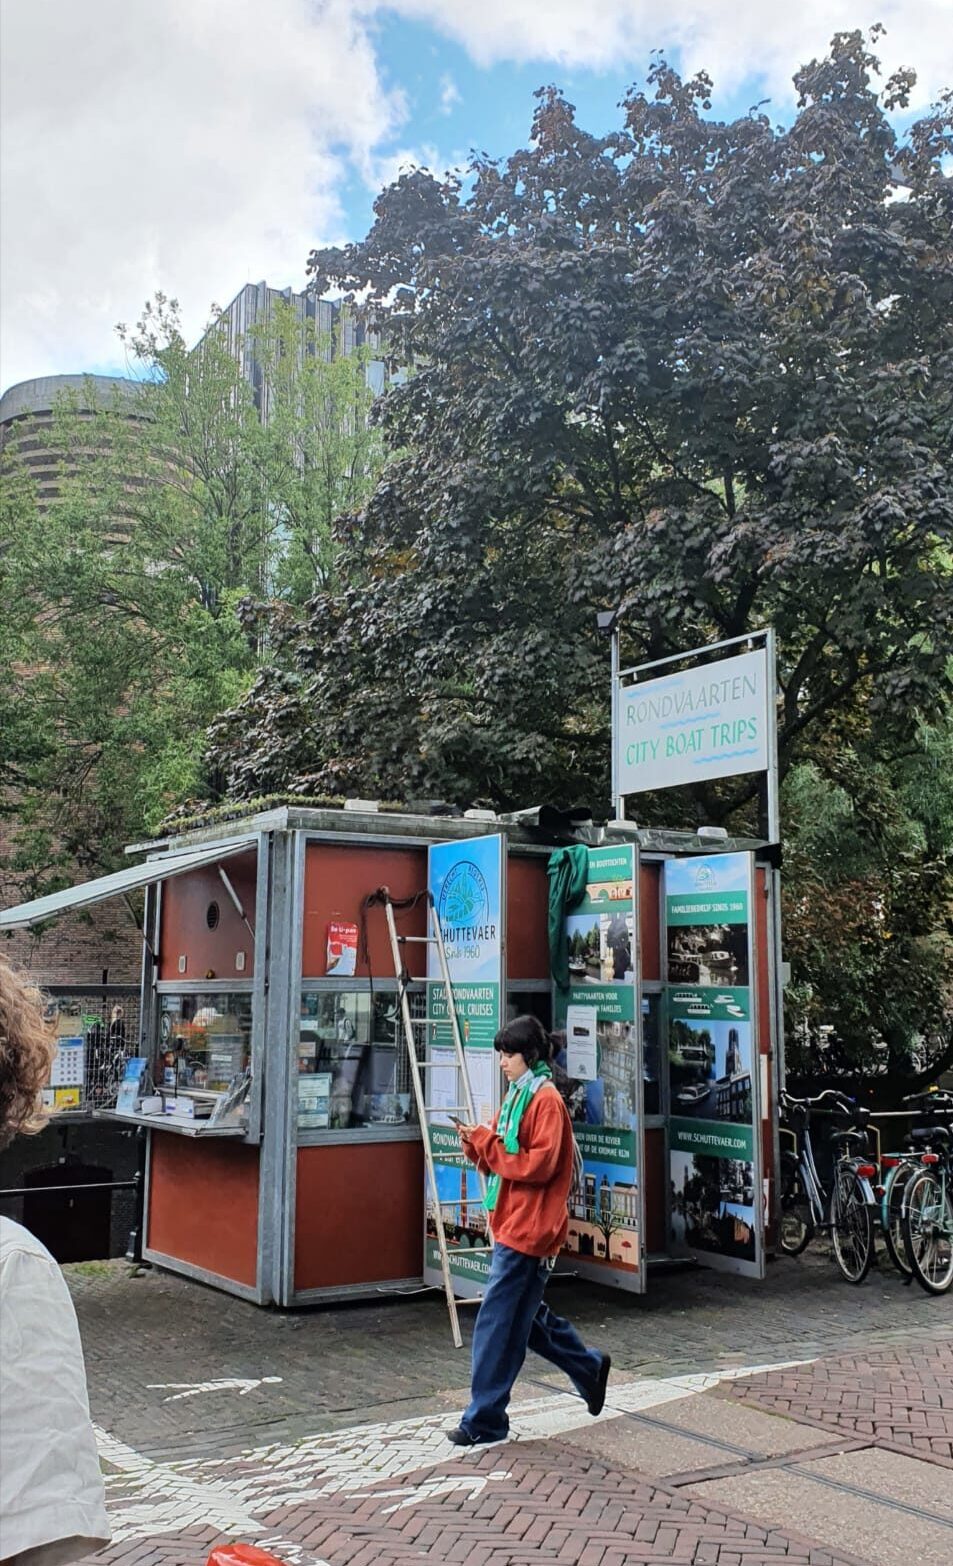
(321, 1136)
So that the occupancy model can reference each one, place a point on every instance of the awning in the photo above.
(25, 914)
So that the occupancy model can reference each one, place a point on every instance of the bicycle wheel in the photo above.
(797, 1220)
(928, 1231)
(891, 1214)
(852, 1230)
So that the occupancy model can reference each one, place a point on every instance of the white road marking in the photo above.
(144, 1498)
(147, 1498)
(473, 1486)
(198, 1388)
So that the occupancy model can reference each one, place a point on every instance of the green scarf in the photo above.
(508, 1125)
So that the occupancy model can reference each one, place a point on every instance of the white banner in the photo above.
(707, 722)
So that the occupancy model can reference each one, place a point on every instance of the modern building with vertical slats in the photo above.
(335, 332)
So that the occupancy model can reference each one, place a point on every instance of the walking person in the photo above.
(51, 1486)
(529, 1155)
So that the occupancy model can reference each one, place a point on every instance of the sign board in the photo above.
(710, 721)
(69, 1065)
(466, 881)
(716, 1207)
(600, 1071)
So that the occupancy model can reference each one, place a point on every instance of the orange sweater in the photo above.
(531, 1213)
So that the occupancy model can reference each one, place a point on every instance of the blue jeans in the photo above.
(511, 1319)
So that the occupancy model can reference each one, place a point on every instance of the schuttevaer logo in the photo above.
(464, 905)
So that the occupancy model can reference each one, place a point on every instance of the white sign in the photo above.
(68, 1069)
(707, 722)
(582, 1042)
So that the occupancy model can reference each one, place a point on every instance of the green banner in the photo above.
(473, 1267)
(712, 1139)
(714, 1004)
(609, 882)
(614, 1002)
(478, 1014)
(707, 908)
(606, 1144)
(445, 1146)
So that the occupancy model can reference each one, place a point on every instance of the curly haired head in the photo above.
(27, 1047)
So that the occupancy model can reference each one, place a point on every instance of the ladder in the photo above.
(418, 1068)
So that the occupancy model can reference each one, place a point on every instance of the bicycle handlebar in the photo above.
(810, 1103)
(931, 1099)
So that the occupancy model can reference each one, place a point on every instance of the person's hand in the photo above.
(465, 1132)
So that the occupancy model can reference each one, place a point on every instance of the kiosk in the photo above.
(284, 1160)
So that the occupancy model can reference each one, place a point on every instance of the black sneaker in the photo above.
(461, 1437)
(596, 1401)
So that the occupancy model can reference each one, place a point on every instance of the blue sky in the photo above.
(188, 146)
(456, 105)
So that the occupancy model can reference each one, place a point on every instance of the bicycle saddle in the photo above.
(935, 1136)
(848, 1139)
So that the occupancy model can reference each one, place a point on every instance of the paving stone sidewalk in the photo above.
(900, 1398)
(390, 1360)
(519, 1507)
(321, 1436)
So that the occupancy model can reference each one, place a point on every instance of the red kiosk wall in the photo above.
(358, 1214)
(184, 926)
(650, 879)
(527, 917)
(203, 1204)
(337, 878)
(655, 1174)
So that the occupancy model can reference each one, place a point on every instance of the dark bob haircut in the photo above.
(527, 1037)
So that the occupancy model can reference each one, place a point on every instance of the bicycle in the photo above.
(845, 1211)
(898, 1169)
(927, 1213)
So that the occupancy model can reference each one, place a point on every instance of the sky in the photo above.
(191, 146)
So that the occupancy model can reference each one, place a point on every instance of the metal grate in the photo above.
(97, 1033)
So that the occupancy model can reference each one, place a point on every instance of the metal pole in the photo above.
(771, 680)
(693, 652)
(618, 805)
(134, 1247)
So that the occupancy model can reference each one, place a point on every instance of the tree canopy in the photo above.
(120, 612)
(701, 370)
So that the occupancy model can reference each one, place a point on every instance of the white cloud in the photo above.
(191, 145)
(732, 39)
(188, 145)
(449, 94)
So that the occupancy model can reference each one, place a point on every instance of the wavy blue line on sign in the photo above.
(678, 723)
(724, 755)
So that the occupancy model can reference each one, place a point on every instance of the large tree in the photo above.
(701, 369)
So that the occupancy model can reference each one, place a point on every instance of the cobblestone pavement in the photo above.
(897, 1398)
(320, 1435)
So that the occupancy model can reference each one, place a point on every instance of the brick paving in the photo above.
(319, 1435)
(898, 1398)
(370, 1360)
(520, 1505)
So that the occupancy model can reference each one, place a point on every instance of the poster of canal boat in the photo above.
(602, 1085)
(714, 1116)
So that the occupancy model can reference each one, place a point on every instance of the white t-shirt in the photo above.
(51, 1489)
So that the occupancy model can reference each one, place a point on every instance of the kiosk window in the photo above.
(352, 1061)
(651, 1094)
(204, 1043)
